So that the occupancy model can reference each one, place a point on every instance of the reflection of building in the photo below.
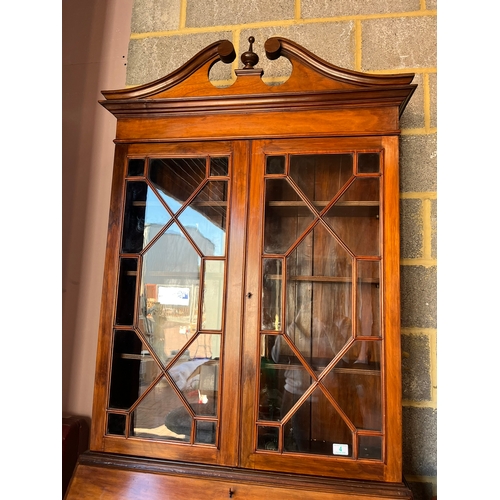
(173, 263)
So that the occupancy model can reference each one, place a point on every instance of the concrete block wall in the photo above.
(378, 36)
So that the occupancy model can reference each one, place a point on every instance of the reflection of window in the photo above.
(173, 296)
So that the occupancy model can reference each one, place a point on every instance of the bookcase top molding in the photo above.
(313, 83)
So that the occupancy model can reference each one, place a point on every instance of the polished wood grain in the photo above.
(135, 479)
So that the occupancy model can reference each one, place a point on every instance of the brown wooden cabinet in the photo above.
(249, 334)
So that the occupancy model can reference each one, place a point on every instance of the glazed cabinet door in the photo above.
(166, 328)
(314, 340)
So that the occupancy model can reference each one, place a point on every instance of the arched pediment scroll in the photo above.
(222, 50)
(299, 56)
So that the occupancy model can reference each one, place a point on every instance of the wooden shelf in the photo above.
(360, 370)
(325, 279)
(339, 209)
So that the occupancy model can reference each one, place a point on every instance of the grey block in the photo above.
(155, 15)
(331, 8)
(419, 441)
(413, 115)
(398, 43)
(418, 163)
(415, 367)
(433, 98)
(333, 42)
(153, 58)
(418, 297)
(434, 229)
(411, 229)
(201, 13)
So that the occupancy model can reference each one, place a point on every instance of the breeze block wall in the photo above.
(377, 36)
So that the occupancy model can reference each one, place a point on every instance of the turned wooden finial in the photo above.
(250, 58)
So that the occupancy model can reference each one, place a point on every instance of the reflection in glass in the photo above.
(275, 165)
(136, 166)
(316, 426)
(196, 375)
(286, 216)
(355, 217)
(368, 163)
(271, 294)
(126, 292)
(219, 166)
(116, 424)
(319, 297)
(135, 211)
(370, 447)
(205, 432)
(143, 213)
(282, 374)
(320, 177)
(125, 369)
(149, 417)
(205, 219)
(355, 383)
(267, 438)
(368, 298)
(213, 292)
(176, 179)
(169, 292)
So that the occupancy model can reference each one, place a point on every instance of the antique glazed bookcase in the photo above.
(249, 339)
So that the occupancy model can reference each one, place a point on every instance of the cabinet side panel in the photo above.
(107, 301)
(391, 309)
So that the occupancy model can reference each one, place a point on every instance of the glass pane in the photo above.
(125, 303)
(271, 294)
(319, 298)
(219, 166)
(155, 414)
(320, 177)
(275, 165)
(273, 363)
(205, 432)
(355, 383)
(268, 438)
(169, 293)
(355, 217)
(368, 298)
(125, 369)
(197, 377)
(370, 447)
(205, 219)
(282, 376)
(144, 217)
(213, 292)
(368, 163)
(135, 213)
(116, 424)
(286, 216)
(317, 428)
(136, 166)
(176, 179)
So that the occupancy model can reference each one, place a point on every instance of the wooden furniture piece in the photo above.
(75, 440)
(249, 338)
